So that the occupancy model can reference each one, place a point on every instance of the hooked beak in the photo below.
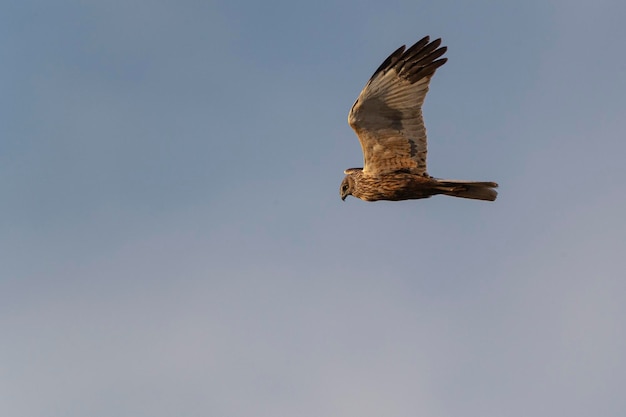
(343, 197)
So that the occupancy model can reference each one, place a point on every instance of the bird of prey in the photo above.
(387, 118)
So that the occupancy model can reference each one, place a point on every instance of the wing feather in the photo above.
(387, 115)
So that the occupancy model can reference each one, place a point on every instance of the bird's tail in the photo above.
(468, 189)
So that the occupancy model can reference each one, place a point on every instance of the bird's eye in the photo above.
(345, 187)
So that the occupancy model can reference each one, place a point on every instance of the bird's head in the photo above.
(346, 188)
(348, 184)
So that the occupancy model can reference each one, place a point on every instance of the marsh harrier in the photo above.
(387, 118)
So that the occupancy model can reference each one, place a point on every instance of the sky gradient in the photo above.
(172, 241)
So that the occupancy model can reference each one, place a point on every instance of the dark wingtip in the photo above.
(390, 61)
(422, 62)
(416, 62)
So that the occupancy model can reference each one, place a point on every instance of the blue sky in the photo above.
(172, 241)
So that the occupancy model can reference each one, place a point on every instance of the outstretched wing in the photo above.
(387, 116)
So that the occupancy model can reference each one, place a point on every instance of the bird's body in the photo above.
(387, 118)
(396, 186)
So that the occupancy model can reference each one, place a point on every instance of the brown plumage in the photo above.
(387, 118)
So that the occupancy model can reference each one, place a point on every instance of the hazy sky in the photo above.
(172, 241)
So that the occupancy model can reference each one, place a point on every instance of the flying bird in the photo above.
(387, 118)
